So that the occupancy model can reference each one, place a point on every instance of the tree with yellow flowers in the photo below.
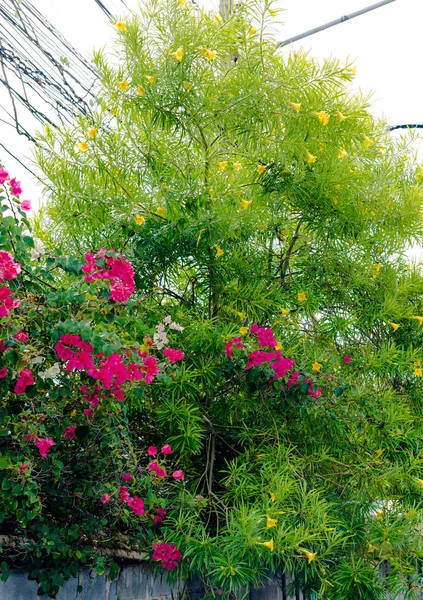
(267, 211)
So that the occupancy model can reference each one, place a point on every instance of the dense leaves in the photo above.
(249, 186)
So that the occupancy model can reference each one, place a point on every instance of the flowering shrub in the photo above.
(65, 371)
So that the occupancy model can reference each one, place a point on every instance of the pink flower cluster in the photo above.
(113, 268)
(173, 355)
(24, 380)
(237, 342)
(9, 269)
(168, 554)
(7, 302)
(135, 503)
(267, 353)
(3, 175)
(15, 187)
(111, 372)
(44, 445)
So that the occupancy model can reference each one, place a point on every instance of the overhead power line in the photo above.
(342, 19)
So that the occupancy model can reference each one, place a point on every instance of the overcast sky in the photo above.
(385, 45)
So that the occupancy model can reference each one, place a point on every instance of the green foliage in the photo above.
(237, 201)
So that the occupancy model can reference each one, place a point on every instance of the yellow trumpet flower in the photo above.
(310, 157)
(296, 106)
(394, 326)
(82, 146)
(243, 330)
(322, 116)
(140, 90)
(92, 132)
(222, 165)
(245, 204)
(271, 523)
(178, 54)
(342, 153)
(269, 545)
(367, 141)
(160, 211)
(309, 555)
(316, 366)
(150, 78)
(302, 297)
(261, 169)
(219, 251)
(340, 116)
(120, 25)
(211, 54)
(139, 220)
(124, 85)
(419, 319)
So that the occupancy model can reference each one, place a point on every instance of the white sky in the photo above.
(384, 43)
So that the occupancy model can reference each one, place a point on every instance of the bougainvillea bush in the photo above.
(267, 218)
(76, 471)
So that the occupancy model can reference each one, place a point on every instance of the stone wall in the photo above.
(134, 582)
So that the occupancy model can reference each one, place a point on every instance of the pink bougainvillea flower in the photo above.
(3, 175)
(153, 466)
(9, 269)
(173, 355)
(347, 359)
(88, 412)
(105, 499)
(313, 392)
(29, 437)
(113, 268)
(265, 337)
(15, 186)
(254, 328)
(159, 517)
(25, 379)
(152, 451)
(127, 477)
(69, 432)
(166, 449)
(161, 472)
(21, 337)
(123, 493)
(237, 342)
(26, 205)
(3, 373)
(168, 554)
(136, 504)
(281, 366)
(293, 379)
(178, 475)
(44, 445)
(22, 469)
(7, 302)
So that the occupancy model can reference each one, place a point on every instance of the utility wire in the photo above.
(333, 23)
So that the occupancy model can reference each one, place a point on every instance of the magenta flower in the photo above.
(159, 517)
(161, 472)
(168, 554)
(166, 449)
(26, 205)
(293, 379)
(173, 355)
(153, 466)
(347, 359)
(105, 499)
(136, 504)
(254, 328)
(21, 337)
(44, 445)
(15, 187)
(69, 432)
(3, 373)
(88, 412)
(3, 175)
(314, 393)
(123, 493)
(25, 379)
(29, 437)
(152, 451)
(127, 477)
(9, 269)
(178, 475)
(22, 469)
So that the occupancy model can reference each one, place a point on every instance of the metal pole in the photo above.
(331, 23)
